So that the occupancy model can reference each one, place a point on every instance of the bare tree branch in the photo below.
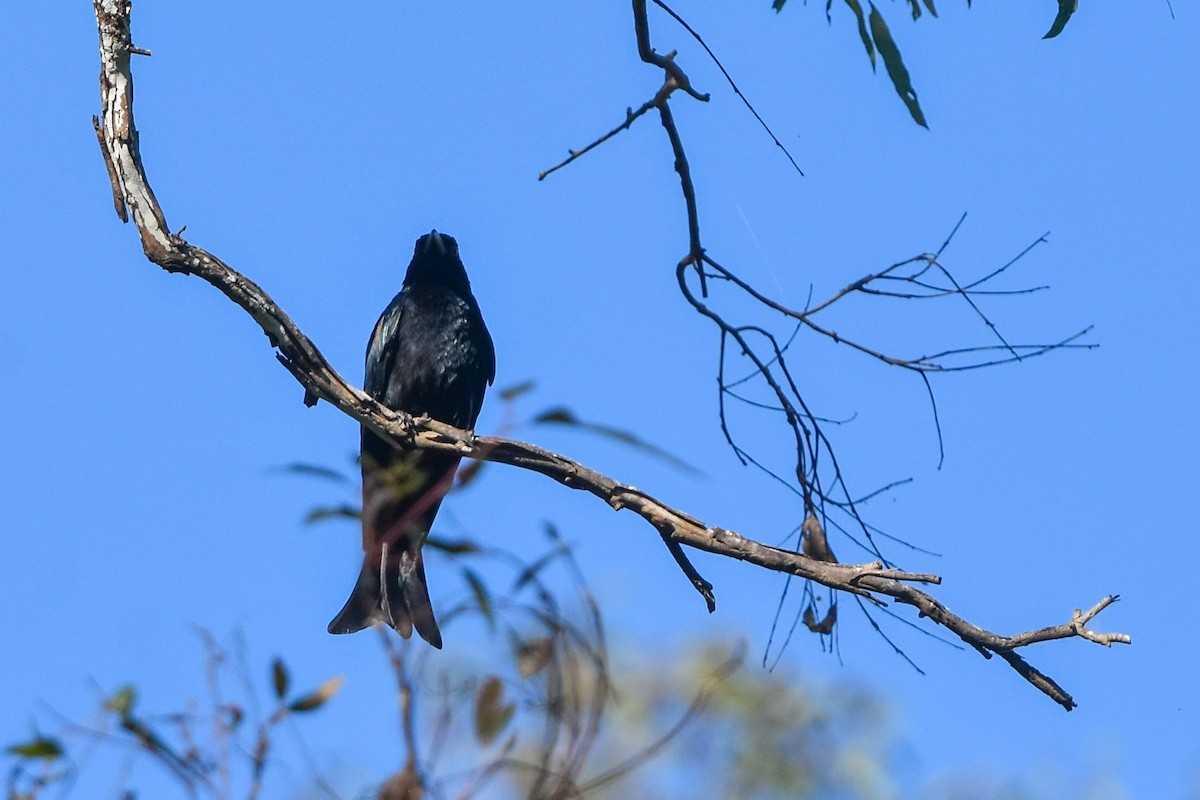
(630, 117)
(732, 85)
(301, 357)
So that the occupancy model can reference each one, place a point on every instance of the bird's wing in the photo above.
(382, 348)
(488, 353)
(484, 373)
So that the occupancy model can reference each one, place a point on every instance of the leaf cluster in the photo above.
(877, 38)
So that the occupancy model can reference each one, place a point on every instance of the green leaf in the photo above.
(1065, 9)
(530, 572)
(483, 597)
(863, 34)
(279, 678)
(515, 391)
(38, 747)
(122, 702)
(322, 513)
(315, 471)
(886, 46)
(492, 714)
(452, 546)
(778, 5)
(564, 416)
(560, 416)
(916, 8)
(320, 697)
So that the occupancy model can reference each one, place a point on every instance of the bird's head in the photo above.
(436, 244)
(435, 260)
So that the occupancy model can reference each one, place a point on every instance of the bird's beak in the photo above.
(435, 243)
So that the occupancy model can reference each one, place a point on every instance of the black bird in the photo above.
(430, 353)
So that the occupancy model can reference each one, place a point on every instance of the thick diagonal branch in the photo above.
(320, 381)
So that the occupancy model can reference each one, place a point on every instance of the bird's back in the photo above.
(441, 358)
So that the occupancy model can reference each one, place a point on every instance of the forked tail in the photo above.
(391, 588)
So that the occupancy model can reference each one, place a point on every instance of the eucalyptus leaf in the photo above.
(279, 678)
(318, 698)
(863, 33)
(1065, 9)
(887, 48)
(38, 747)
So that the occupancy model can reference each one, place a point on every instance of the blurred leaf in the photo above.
(483, 597)
(557, 415)
(533, 655)
(146, 736)
(315, 700)
(563, 416)
(531, 571)
(778, 5)
(38, 747)
(825, 626)
(403, 785)
(279, 678)
(513, 392)
(863, 33)
(886, 46)
(492, 714)
(469, 473)
(236, 715)
(315, 471)
(916, 8)
(452, 546)
(122, 702)
(322, 513)
(1065, 9)
(814, 543)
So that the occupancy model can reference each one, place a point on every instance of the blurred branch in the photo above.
(320, 381)
(220, 750)
(407, 784)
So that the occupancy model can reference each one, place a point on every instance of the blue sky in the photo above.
(143, 413)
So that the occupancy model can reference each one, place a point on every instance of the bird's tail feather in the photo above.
(401, 496)
(405, 599)
(391, 590)
(362, 609)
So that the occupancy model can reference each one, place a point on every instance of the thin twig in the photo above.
(630, 117)
(729, 78)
